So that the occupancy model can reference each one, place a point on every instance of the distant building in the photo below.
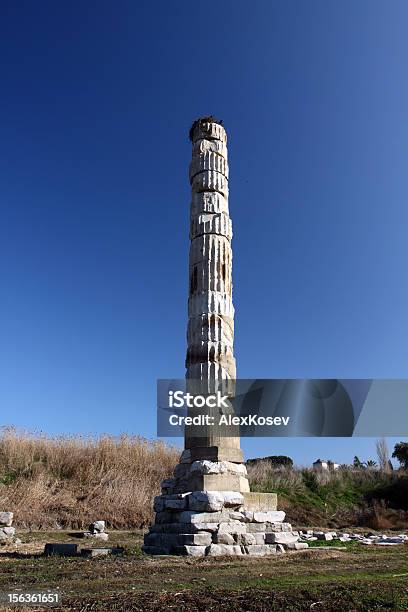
(325, 464)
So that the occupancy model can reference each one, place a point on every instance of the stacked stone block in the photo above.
(210, 523)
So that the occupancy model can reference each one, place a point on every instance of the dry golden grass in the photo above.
(349, 496)
(67, 482)
(71, 481)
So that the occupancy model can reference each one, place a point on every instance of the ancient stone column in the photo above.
(206, 508)
(210, 335)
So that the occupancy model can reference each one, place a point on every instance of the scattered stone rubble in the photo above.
(96, 530)
(370, 538)
(7, 532)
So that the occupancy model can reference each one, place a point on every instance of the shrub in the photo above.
(401, 453)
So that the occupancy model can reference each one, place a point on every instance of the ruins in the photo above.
(207, 508)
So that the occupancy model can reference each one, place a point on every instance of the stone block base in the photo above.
(260, 502)
(216, 523)
(207, 509)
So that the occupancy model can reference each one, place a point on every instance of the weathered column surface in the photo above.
(210, 358)
(206, 507)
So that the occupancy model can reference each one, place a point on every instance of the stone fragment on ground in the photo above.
(6, 519)
(365, 539)
(7, 532)
(101, 552)
(96, 530)
(320, 535)
(64, 550)
(97, 527)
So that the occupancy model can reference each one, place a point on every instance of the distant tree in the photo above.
(281, 460)
(383, 455)
(274, 460)
(401, 453)
(370, 463)
(357, 463)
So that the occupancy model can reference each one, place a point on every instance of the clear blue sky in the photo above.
(96, 102)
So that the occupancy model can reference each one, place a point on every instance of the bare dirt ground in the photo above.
(354, 577)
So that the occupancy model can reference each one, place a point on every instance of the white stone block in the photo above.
(296, 545)
(206, 501)
(282, 537)
(235, 515)
(272, 516)
(215, 550)
(189, 516)
(6, 519)
(196, 539)
(218, 467)
(232, 498)
(259, 538)
(248, 539)
(9, 532)
(255, 527)
(260, 550)
(224, 538)
(211, 527)
(232, 527)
